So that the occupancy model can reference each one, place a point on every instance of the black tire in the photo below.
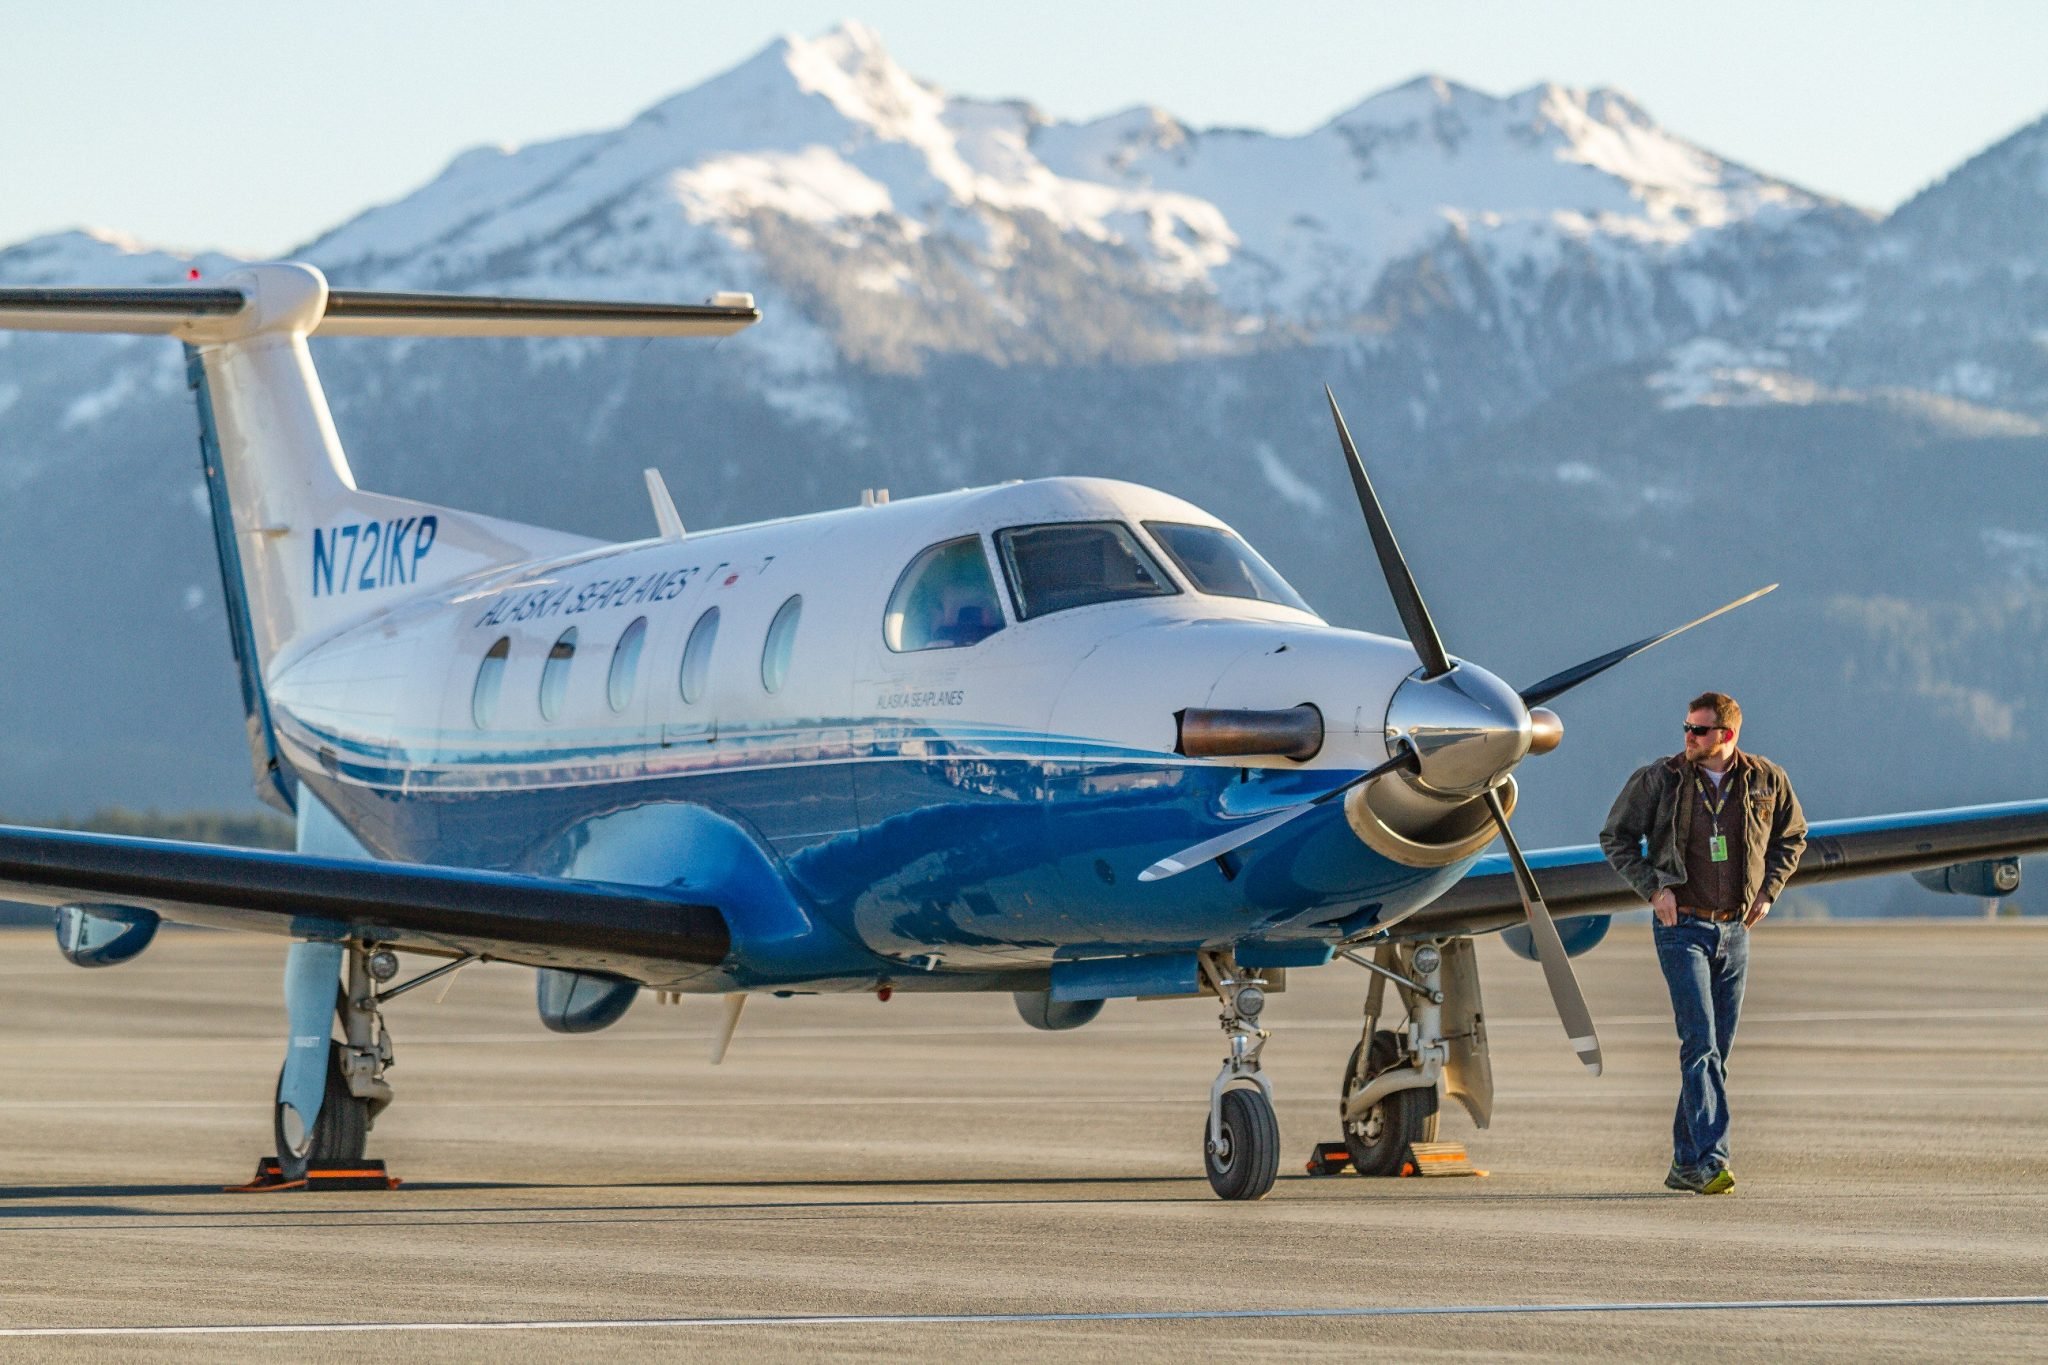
(1251, 1140)
(1380, 1138)
(339, 1134)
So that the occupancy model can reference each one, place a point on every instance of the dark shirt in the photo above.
(1710, 885)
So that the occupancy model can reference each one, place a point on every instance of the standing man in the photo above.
(1708, 837)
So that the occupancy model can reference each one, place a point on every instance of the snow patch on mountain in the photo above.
(1708, 372)
(1291, 487)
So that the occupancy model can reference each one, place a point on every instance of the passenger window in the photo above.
(490, 676)
(1075, 564)
(781, 641)
(554, 675)
(618, 684)
(697, 657)
(1217, 562)
(944, 600)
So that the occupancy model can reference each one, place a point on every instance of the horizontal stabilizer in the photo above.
(196, 313)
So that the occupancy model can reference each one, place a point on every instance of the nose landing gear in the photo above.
(1241, 1139)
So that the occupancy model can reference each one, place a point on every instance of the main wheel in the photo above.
(1380, 1137)
(337, 1136)
(1250, 1155)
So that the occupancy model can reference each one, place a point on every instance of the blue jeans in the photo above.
(1704, 965)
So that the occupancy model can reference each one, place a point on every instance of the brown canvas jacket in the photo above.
(1647, 828)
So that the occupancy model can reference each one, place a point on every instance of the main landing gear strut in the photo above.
(331, 1090)
(1388, 1101)
(1241, 1136)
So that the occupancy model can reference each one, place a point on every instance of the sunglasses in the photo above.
(1701, 731)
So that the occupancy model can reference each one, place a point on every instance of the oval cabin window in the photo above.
(618, 683)
(554, 675)
(946, 599)
(781, 643)
(490, 676)
(696, 670)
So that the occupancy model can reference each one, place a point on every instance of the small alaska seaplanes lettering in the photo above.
(573, 599)
(371, 554)
(911, 701)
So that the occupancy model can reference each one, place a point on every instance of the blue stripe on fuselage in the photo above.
(981, 846)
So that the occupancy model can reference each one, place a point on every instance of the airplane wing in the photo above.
(542, 921)
(1578, 881)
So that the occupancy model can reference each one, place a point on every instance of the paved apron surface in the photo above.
(927, 1177)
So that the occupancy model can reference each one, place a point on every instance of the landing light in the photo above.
(1427, 959)
(383, 965)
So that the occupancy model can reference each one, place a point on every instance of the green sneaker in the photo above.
(1720, 1182)
(1685, 1182)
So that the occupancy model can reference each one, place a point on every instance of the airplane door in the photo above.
(949, 691)
(951, 705)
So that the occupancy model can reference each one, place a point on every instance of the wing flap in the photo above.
(1579, 881)
(545, 921)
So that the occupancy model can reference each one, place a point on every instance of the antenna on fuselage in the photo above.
(665, 514)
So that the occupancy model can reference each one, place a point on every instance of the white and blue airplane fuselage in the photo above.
(959, 807)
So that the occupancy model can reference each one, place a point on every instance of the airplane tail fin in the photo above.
(303, 551)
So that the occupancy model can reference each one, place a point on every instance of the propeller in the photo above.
(1223, 843)
(1415, 619)
(1535, 694)
(1462, 730)
(1565, 995)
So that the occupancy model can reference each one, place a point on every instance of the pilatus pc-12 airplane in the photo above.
(1069, 739)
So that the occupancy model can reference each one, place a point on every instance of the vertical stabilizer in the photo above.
(303, 551)
(315, 552)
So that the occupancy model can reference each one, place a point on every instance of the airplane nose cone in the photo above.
(1468, 728)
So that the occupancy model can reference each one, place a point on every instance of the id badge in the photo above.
(1717, 848)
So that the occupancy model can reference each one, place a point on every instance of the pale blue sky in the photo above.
(252, 125)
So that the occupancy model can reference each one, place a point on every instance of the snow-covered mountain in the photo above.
(1545, 312)
(905, 223)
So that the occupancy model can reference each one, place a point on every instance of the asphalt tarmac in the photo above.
(928, 1178)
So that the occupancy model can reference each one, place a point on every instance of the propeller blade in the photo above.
(1223, 843)
(1557, 966)
(1429, 646)
(1558, 683)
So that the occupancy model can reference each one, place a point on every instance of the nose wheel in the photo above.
(1244, 1156)
(1241, 1140)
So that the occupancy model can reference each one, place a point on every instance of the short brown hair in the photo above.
(1727, 711)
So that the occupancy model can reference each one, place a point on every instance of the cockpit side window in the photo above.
(946, 599)
(1217, 562)
(1075, 564)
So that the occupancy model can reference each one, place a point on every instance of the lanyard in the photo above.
(1714, 808)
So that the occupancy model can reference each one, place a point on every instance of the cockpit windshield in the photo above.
(1076, 564)
(1217, 562)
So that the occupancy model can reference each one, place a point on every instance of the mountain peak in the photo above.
(1424, 96)
(847, 69)
(1988, 208)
